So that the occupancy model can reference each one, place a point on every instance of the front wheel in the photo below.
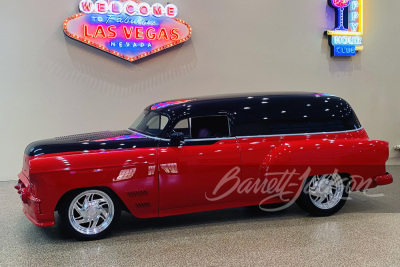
(89, 214)
(324, 195)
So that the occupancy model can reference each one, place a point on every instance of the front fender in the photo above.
(131, 174)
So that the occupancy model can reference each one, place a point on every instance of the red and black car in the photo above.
(203, 154)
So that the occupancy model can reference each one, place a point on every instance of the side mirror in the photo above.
(177, 138)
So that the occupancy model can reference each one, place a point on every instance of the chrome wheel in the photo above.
(326, 190)
(91, 212)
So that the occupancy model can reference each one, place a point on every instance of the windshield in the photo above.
(150, 122)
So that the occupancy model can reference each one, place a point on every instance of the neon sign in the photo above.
(346, 38)
(127, 29)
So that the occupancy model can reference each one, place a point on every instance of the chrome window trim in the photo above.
(201, 139)
(210, 139)
(255, 136)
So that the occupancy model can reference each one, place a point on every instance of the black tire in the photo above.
(96, 212)
(310, 195)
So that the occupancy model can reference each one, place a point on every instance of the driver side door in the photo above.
(189, 173)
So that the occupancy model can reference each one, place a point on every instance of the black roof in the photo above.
(228, 98)
(276, 112)
(234, 102)
(240, 96)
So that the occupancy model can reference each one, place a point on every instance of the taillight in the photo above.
(19, 186)
(25, 194)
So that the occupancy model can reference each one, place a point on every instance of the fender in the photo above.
(362, 159)
(130, 173)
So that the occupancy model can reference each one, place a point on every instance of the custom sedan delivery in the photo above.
(202, 154)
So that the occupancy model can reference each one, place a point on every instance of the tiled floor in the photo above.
(365, 232)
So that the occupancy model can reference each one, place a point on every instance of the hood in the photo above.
(91, 141)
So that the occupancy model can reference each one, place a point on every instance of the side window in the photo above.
(204, 127)
(156, 124)
(209, 127)
(153, 123)
(163, 122)
(183, 127)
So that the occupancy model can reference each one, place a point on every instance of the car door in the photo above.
(190, 173)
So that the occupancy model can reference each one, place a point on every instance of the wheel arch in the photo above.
(102, 188)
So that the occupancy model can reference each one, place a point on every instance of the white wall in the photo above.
(52, 85)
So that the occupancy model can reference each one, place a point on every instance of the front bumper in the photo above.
(384, 179)
(31, 204)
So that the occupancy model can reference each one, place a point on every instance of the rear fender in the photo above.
(362, 159)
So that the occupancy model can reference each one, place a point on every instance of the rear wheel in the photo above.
(324, 195)
(90, 214)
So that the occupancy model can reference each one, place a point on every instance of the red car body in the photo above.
(154, 178)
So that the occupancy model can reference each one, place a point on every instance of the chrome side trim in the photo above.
(277, 135)
(210, 139)
(201, 139)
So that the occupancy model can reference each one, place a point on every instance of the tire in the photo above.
(90, 214)
(324, 195)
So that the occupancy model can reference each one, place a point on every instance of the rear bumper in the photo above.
(40, 220)
(31, 204)
(384, 179)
